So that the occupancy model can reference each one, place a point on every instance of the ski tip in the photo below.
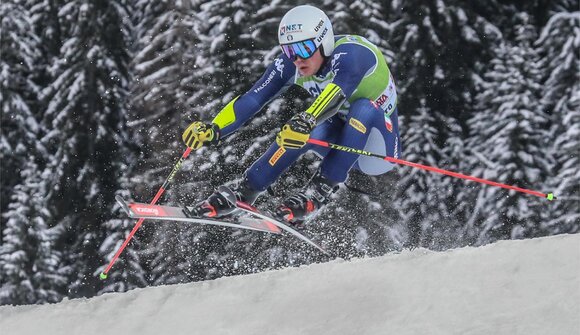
(123, 204)
(103, 276)
(551, 197)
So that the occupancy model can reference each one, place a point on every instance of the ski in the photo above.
(255, 212)
(170, 213)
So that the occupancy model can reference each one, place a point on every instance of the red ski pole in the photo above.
(176, 167)
(549, 196)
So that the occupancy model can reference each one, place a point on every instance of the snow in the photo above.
(510, 287)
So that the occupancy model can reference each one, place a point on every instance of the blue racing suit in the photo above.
(366, 119)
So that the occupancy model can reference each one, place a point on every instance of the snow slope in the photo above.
(510, 287)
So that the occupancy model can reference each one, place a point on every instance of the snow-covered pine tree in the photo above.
(87, 135)
(542, 10)
(557, 6)
(44, 15)
(28, 259)
(29, 263)
(19, 95)
(439, 46)
(347, 16)
(417, 197)
(164, 51)
(167, 52)
(558, 45)
(509, 136)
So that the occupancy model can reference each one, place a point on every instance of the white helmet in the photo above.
(307, 23)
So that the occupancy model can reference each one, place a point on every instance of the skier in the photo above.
(355, 106)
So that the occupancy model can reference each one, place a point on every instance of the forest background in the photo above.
(95, 95)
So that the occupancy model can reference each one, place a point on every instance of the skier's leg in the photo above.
(264, 172)
(276, 160)
(384, 141)
(366, 128)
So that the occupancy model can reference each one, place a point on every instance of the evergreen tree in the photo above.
(164, 52)
(29, 263)
(77, 77)
(439, 46)
(417, 197)
(509, 138)
(558, 45)
(164, 57)
(45, 18)
(19, 94)
(562, 6)
(87, 137)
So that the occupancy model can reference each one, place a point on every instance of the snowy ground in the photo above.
(511, 287)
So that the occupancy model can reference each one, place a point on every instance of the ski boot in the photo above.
(218, 206)
(302, 206)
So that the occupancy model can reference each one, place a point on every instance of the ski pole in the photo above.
(176, 167)
(549, 196)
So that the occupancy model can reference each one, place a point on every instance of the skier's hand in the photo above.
(296, 132)
(199, 134)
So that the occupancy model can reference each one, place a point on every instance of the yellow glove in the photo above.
(199, 133)
(296, 132)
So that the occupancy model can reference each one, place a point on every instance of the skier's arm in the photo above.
(275, 80)
(350, 64)
(327, 103)
(296, 132)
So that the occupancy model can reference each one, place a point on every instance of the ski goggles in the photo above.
(302, 49)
